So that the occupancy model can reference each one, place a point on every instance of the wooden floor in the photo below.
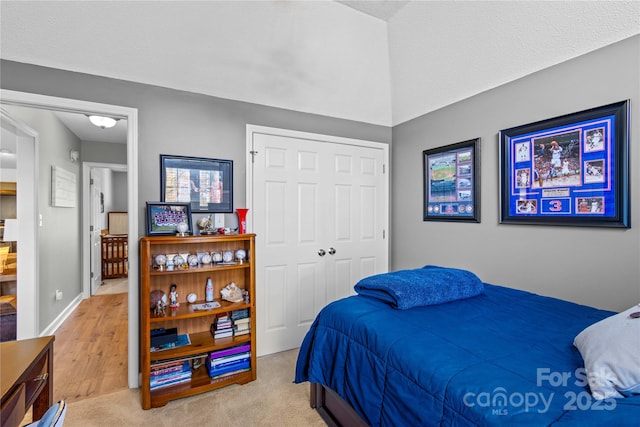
(90, 349)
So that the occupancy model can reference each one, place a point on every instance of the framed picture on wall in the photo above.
(451, 180)
(568, 170)
(163, 218)
(206, 184)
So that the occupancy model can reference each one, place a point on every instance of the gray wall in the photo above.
(593, 266)
(181, 123)
(59, 239)
(114, 184)
(104, 152)
(176, 122)
(119, 192)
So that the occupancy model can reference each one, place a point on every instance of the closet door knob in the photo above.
(332, 251)
(321, 252)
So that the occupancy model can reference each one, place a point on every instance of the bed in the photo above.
(500, 357)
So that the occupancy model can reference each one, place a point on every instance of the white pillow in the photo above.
(611, 352)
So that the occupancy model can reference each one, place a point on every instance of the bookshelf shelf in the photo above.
(200, 269)
(185, 311)
(187, 320)
(201, 342)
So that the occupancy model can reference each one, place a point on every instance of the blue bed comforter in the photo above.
(504, 357)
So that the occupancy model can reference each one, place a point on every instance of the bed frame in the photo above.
(332, 408)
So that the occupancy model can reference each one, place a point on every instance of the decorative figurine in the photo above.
(158, 301)
(173, 296)
(158, 311)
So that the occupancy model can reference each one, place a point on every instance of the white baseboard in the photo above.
(57, 322)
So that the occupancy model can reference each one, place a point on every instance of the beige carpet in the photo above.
(271, 400)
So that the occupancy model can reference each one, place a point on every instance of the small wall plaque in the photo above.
(63, 188)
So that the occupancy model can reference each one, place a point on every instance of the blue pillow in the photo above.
(429, 285)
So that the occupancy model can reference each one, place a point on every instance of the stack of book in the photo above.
(222, 327)
(166, 374)
(241, 321)
(229, 361)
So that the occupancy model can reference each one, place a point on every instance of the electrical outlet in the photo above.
(58, 295)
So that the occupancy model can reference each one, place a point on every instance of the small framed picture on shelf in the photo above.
(451, 179)
(205, 184)
(568, 170)
(167, 219)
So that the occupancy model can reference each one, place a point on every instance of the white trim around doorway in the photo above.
(32, 100)
(86, 212)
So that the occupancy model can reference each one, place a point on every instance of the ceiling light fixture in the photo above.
(102, 121)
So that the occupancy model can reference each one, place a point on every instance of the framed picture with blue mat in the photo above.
(568, 170)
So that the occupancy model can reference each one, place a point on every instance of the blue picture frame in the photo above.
(163, 218)
(571, 170)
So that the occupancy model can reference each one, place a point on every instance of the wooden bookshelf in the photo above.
(195, 323)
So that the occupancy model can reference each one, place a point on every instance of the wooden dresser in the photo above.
(26, 379)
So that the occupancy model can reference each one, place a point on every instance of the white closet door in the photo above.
(320, 214)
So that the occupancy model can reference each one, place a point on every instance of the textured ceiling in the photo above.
(312, 56)
(444, 51)
(398, 61)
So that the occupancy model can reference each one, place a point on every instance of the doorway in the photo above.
(93, 207)
(131, 115)
(22, 143)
